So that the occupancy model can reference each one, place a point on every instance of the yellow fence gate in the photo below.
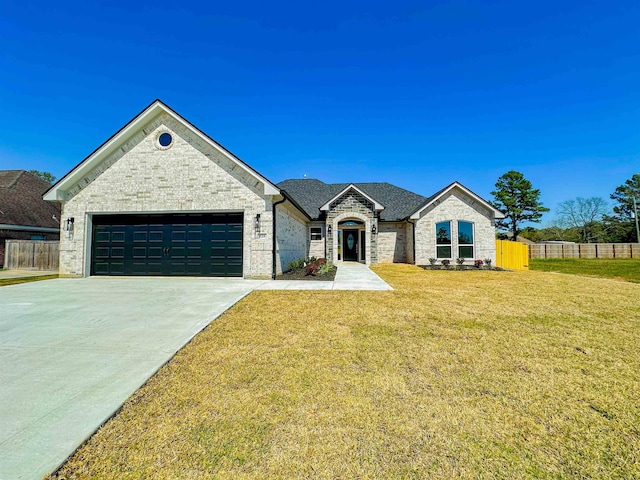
(512, 255)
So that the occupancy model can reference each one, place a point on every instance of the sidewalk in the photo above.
(350, 276)
(26, 273)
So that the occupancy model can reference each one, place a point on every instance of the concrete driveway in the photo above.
(73, 350)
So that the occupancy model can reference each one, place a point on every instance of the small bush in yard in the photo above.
(311, 269)
(460, 261)
(445, 262)
(324, 267)
(487, 262)
(433, 261)
(296, 264)
(478, 263)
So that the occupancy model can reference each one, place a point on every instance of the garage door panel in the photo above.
(101, 268)
(195, 236)
(118, 236)
(140, 236)
(116, 268)
(196, 245)
(154, 268)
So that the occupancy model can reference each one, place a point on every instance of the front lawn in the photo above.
(451, 375)
(619, 268)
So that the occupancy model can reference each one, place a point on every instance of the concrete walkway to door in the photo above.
(350, 276)
(356, 276)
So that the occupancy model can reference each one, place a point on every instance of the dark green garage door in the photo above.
(207, 245)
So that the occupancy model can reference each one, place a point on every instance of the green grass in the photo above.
(14, 281)
(451, 375)
(618, 268)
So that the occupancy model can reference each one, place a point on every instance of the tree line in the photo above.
(580, 220)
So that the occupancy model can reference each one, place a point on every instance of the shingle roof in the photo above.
(21, 200)
(311, 194)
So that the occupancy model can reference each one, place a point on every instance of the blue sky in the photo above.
(418, 94)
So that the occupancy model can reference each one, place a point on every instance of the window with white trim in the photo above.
(443, 239)
(316, 233)
(465, 239)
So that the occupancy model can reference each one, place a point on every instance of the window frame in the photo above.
(312, 233)
(471, 245)
(444, 245)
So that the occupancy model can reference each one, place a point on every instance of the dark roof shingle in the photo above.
(21, 200)
(311, 194)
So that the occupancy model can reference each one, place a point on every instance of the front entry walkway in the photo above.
(356, 276)
(350, 276)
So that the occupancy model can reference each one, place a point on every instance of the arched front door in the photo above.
(350, 245)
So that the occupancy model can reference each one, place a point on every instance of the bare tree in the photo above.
(584, 214)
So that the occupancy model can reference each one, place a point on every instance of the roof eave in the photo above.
(286, 195)
(28, 228)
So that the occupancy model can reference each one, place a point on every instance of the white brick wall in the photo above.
(456, 205)
(392, 242)
(316, 247)
(190, 176)
(291, 236)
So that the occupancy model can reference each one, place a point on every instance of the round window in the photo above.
(165, 139)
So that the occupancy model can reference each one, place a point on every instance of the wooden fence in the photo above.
(31, 254)
(584, 250)
(512, 255)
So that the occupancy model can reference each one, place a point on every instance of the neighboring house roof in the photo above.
(21, 203)
(437, 196)
(311, 194)
(58, 191)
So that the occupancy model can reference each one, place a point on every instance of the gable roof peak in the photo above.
(352, 186)
(59, 190)
(438, 195)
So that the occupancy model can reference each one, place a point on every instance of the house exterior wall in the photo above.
(351, 205)
(316, 248)
(190, 176)
(410, 231)
(392, 242)
(291, 236)
(456, 205)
